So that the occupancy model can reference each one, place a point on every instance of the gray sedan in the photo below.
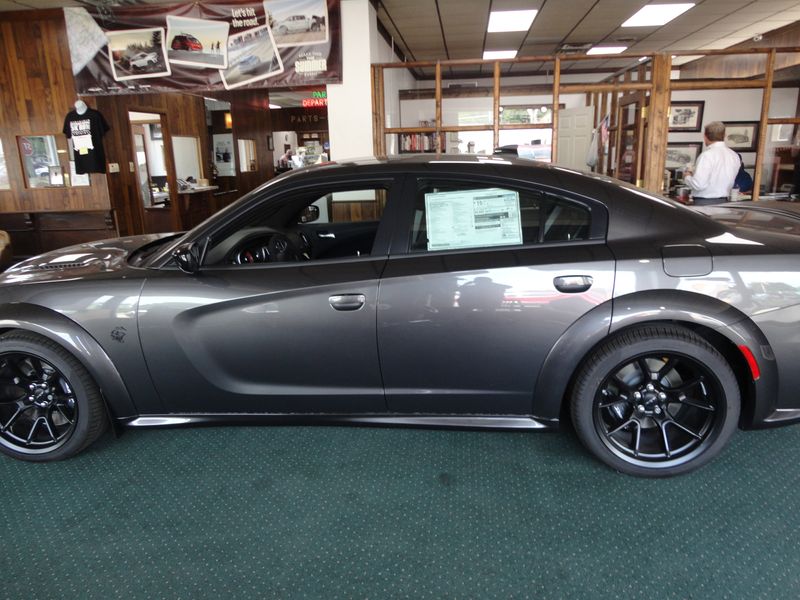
(437, 291)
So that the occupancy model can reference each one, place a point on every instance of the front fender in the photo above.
(75, 339)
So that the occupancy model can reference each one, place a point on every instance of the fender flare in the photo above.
(660, 306)
(72, 337)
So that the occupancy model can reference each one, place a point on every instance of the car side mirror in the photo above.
(310, 214)
(187, 258)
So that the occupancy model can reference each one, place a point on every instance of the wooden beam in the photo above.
(717, 84)
(762, 129)
(556, 86)
(496, 107)
(438, 101)
(655, 144)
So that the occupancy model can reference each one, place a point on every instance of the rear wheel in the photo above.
(50, 408)
(655, 401)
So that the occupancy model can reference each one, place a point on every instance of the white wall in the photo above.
(280, 139)
(737, 105)
(155, 154)
(350, 102)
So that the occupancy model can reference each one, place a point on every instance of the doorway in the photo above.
(150, 170)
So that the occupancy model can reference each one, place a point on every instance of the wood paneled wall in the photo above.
(252, 121)
(748, 65)
(36, 92)
(183, 114)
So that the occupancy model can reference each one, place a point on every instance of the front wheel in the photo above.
(50, 408)
(655, 401)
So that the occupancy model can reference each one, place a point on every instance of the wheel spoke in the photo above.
(17, 370)
(679, 426)
(665, 437)
(669, 365)
(620, 428)
(49, 429)
(33, 430)
(694, 403)
(638, 438)
(13, 418)
(647, 375)
(687, 385)
(63, 414)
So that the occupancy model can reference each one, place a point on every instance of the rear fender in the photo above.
(75, 339)
(698, 312)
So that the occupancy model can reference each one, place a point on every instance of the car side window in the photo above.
(321, 224)
(456, 216)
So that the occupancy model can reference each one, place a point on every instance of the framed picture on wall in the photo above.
(686, 116)
(741, 135)
(679, 155)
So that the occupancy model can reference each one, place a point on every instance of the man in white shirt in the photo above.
(712, 178)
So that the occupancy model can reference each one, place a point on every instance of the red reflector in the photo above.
(751, 361)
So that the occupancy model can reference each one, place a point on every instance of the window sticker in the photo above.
(472, 218)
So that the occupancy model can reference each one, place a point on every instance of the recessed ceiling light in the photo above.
(656, 14)
(496, 54)
(510, 20)
(606, 49)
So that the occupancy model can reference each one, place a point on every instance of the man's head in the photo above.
(714, 132)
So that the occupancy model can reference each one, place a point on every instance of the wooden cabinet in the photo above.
(34, 233)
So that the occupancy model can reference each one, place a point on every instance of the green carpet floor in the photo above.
(344, 512)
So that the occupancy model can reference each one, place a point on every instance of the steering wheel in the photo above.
(281, 248)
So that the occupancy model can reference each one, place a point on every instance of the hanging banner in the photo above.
(204, 46)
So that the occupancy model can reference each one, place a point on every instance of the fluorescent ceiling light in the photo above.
(510, 20)
(606, 49)
(657, 14)
(496, 54)
(271, 105)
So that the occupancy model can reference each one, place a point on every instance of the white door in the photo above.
(574, 136)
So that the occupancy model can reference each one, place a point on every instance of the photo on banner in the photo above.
(252, 57)
(137, 53)
(197, 42)
(298, 22)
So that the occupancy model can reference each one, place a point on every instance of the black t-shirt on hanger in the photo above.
(87, 131)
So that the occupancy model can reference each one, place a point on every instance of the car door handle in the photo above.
(326, 234)
(347, 301)
(573, 284)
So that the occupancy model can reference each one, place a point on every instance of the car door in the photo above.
(483, 279)
(245, 335)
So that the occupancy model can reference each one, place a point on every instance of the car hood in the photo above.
(103, 256)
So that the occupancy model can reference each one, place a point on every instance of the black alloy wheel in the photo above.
(656, 401)
(50, 408)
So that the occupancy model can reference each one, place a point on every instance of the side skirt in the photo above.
(401, 420)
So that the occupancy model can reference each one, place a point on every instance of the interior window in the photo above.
(320, 225)
(451, 217)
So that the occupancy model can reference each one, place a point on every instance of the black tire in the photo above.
(282, 30)
(655, 401)
(50, 407)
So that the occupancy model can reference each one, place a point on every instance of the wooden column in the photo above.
(438, 106)
(766, 98)
(556, 85)
(496, 107)
(378, 112)
(655, 144)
